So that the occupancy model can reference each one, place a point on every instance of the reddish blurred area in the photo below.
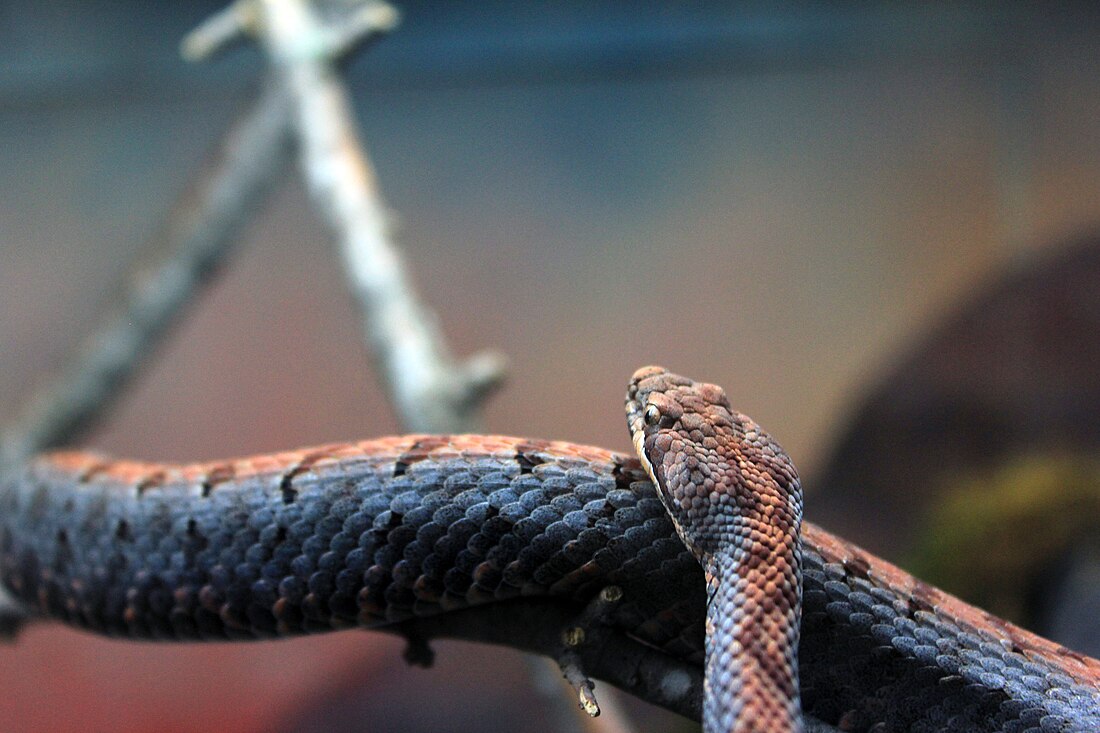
(60, 680)
(783, 229)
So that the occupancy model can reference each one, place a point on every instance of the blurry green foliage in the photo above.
(995, 537)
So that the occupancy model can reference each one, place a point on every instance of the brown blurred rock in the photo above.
(1015, 370)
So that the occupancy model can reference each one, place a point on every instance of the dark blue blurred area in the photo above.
(66, 52)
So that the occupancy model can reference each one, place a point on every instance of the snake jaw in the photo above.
(636, 403)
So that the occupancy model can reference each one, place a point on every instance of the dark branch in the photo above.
(194, 241)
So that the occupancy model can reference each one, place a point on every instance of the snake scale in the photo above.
(374, 533)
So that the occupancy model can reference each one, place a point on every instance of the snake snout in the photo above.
(646, 372)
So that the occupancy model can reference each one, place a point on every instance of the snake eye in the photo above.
(652, 415)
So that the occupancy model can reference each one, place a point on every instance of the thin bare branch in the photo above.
(573, 671)
(430, 389)
(587, 630)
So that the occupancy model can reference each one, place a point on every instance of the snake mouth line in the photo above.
(639, 448)
(637, 426)
(635, 415)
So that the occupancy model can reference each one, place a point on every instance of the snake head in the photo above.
(716, 471)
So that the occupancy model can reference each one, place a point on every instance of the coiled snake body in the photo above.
(377, 532)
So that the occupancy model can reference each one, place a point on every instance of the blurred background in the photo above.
(877, 226)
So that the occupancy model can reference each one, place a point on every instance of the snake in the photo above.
(698, 532)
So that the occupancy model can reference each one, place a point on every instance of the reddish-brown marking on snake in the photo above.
(409, 449)
(417, 452)
(151, 481)
(527, 455)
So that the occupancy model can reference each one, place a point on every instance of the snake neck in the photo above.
(752, 643)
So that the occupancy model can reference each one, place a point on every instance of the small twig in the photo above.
(570, 664)
(595, 613)
(193, 242)
(362, 24)
(219, 32)
(613, 717)
(430, 389)
(588, 630)
(544, 675)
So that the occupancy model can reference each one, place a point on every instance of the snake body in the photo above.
(372, 533)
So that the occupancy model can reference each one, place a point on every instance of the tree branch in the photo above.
(430, 389)
(536, 626)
